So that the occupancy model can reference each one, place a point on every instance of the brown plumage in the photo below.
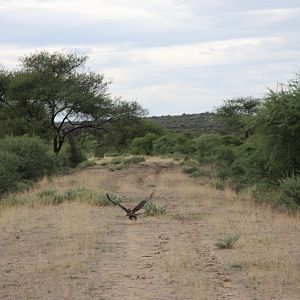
(131, 213)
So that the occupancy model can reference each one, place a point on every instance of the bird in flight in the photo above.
(132, 213)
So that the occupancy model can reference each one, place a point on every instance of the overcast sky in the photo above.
(172, 56)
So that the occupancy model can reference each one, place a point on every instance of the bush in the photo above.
(9, 176)
(170, 144)
(205, 147)
(33, 160)
(290, 192)
(50, 197)
(134, 160)
(116, 161)
(143, 145)
(192, 168)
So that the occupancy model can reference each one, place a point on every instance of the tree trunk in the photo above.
(58, 141)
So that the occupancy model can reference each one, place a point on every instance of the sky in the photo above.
(171, 56)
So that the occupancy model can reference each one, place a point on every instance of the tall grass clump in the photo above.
(290, 192)
(152, 210)
(50, 196)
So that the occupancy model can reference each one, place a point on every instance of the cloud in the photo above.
(173, 56)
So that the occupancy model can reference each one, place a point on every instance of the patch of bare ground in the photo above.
(78, 251)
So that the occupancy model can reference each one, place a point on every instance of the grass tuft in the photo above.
(227, 242)
(152, 210)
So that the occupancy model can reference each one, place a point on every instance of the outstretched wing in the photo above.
(123, 207)
(142, 203)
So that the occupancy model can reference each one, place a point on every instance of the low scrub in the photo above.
(192, 168)
(134, 160)
(143, 145)
(152, 210)
(86, 164)
(227, 242)
(50, 196)
(168, 144)
(119, 163)
(87, 195)
(290, 192)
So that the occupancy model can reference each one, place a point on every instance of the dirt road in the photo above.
(78, 251)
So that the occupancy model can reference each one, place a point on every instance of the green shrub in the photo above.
(227, 242)
(170, 144)
(143, 145)
(205, 147)
(231, 140)
(117, 161)
(50, 196)
(9, 176)
(225, 156)
(217, 183)
(192, 168)
(33, 161)
(134, 160)
(112, 153)
(290, 192)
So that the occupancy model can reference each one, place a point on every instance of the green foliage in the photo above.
(76, 155)
(54, 96)
(238, 114)
(116, 161)
(205, 147)
(290, 192)
(16, 200)
(191, 124)
(227, 242)
(151, 210)
(121, 137)
(279, 126)
(119, 163)
(143, 145)
(192, 168)
(87, 195)
(9, 176)
(134, 160)
(31, 152)
(50, 196)
(217, 183)
(112, 153)
(171, 143)
(33, 160)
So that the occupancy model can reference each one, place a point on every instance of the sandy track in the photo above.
(77, 251)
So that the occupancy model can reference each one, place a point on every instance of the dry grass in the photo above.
(78, 251)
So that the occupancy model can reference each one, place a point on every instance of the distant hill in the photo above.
(194, 124)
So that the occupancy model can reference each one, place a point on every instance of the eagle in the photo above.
(131, 213)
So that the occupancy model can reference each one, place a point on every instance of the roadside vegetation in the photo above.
(54, 126)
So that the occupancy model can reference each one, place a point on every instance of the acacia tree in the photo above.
(238, 114)
(63, 96)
